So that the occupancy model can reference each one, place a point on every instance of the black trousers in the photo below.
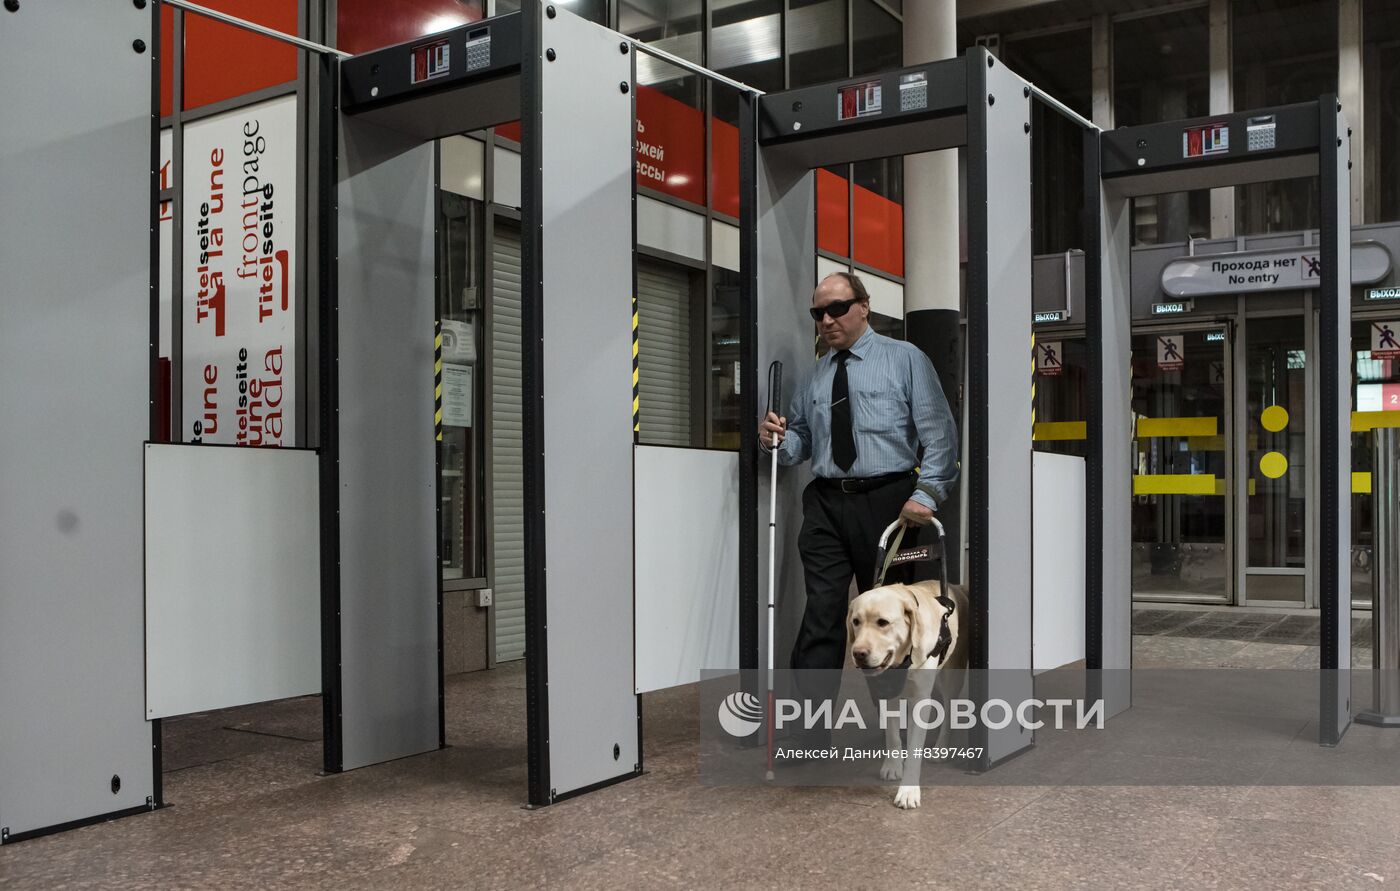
(839, 539)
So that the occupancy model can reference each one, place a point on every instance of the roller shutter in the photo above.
(664, 346)
(507, 500)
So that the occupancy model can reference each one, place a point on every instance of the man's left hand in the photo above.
(915, 514)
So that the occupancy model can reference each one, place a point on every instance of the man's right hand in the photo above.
(772, 426)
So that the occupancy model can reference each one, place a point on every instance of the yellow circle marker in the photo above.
(1273, 465)
(1274, 418)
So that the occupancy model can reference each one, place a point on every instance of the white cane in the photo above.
(775, 401)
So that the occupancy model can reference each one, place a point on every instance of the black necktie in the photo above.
(843, 439)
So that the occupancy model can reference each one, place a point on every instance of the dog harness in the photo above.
(945, 634)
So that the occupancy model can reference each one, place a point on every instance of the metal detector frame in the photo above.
(976, 102)
(1309, 139)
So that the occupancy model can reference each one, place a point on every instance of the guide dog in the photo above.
(916, 627)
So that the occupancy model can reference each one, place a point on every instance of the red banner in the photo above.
(670, 146)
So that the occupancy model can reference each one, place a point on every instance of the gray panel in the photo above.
(928, 135)
(1115, 397)
(1009, 368)
(787, 271)
(507, 481)
(388, 458)
(75, 330)
(1216, 176)
(435, 115)
(587, 273)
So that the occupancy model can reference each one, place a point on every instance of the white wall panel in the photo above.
(687, 600)
(233, 577)
(1057, 618)
(669, 228)
(462, 166)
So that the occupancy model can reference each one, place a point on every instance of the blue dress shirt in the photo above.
(897, 406)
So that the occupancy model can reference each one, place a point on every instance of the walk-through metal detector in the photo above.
(979, 103)
(572, 85)
(1303, 140)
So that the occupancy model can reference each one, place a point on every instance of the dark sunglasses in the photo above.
(836, 309)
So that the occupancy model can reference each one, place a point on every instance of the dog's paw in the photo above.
(907, 798)
(891, 769)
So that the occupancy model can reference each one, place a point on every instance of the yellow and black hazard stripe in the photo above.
(1033, 369)
(437, 379)
(636, 378)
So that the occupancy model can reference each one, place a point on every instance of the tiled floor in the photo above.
(247, 809)
(1235, 638)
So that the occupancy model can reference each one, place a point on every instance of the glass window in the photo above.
(1275, 426)
(746, 44)
(364, 25)
(1381, 79)
(1376, 388)
(816, 41)
(1161, 67)
(674, 26)
(1283, 51)
(877, 202)
(221, 61)
(724, 361)
(1179, 467)
(1161, 72)
(1061, 383)
(878, 39)
(1061, 64)
(461, 254)
(670, 138)
(1171, 218)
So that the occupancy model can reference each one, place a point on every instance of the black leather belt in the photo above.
(859, 485)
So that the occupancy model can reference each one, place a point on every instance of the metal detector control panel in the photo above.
(1180, 145)
(480, 50)
(932, 90)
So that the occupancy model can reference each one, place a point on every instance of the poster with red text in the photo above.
(239, 304)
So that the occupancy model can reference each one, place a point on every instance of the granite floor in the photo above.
(1164, 637)
(247, 809)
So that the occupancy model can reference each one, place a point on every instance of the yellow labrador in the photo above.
(888, 625)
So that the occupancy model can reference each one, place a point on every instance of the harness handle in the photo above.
(884, 558)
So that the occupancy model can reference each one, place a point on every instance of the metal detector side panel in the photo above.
(1334, 391)
(586, 195)
(1004, 289)
(75, 364)
(389, 680)
(1114, 405)
(787, 271)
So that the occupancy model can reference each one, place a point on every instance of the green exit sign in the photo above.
(1171, 309)
(1055, 316)
(1383, 293)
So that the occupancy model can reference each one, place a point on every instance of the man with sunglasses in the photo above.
(870, 413)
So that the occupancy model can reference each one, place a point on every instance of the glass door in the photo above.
(1375, 403)
(1181, 473)
(1276, 468)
